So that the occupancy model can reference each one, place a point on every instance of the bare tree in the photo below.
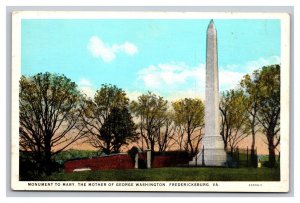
(166, 133)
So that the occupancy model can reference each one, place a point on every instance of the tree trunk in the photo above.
(225, 146)
(48, 164)
(39, 159)
(107, 150)
(190, 143)
(152, 145)
(272, 161)
(253, 157)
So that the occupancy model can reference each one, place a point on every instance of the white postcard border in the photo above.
(232, 186)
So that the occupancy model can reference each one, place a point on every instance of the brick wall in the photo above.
(168, 161)
(123, 161)
(118, 161)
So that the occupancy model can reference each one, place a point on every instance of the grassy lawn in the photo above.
(172, 174)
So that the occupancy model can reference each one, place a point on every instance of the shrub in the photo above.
(132, 152)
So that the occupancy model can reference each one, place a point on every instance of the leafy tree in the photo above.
(269, 111)
(150, 110)
(48, 105)
(96, 113)
(262, 91)
(233, 118)
(251, 89)
(189, 115)
(117, 130)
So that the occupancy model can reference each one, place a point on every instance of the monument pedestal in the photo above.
(211, 153)
(210, 157)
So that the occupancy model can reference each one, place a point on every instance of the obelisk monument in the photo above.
(212, 151)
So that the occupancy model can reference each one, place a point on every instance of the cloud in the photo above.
(259, 63)
(174, 80)
(108, 53)
(229, 79)
(88, 91)
(177, 80)
(127, 48)
(231, 74)
(174, 76)
(169, 74)
(189, 93)
(85, 87)
(84, 82)
(133, 95)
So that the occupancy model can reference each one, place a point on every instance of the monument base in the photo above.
(210, 157)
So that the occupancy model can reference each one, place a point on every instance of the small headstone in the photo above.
(81, 169)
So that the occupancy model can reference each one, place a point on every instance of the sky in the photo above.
(164, 56)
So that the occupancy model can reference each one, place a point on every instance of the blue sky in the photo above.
(163, 56)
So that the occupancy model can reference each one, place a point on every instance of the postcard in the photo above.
(150, 101)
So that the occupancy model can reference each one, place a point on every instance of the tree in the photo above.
(269, 111)
(250, 87)
(150, 110)
(166, 132)
(99, 114)
(262, 91)
(233, 118)
(180, 137)
(117, 130)
(48, 105)
(189, 115)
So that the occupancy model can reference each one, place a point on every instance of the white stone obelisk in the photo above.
(212, 151)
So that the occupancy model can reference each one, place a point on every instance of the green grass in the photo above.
(172, 174)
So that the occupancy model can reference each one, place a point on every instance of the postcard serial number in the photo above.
(255, 185)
